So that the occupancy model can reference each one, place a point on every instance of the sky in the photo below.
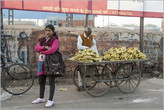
(18, 14)
(118, 20)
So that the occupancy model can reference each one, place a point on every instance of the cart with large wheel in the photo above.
(98, 77)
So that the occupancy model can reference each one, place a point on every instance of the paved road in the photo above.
(149, 95)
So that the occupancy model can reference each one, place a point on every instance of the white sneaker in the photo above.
(38, 100)
(49, 103)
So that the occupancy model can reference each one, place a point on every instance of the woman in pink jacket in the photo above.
(46, 46)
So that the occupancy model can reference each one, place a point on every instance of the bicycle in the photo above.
(16, 78)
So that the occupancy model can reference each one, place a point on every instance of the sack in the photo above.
(54, 64)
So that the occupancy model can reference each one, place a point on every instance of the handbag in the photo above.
(54, 64)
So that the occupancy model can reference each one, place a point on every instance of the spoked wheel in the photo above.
(17, 79)
(128, 78)
(98, 77)
(78, 77)
(112, 68)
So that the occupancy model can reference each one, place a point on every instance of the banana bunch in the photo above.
(135, 53)
(116, 54)
(86, 55)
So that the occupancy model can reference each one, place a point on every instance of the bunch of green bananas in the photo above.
(116, 54)
(86, 55)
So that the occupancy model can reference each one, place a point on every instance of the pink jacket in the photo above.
(53, 48)
(42, 50)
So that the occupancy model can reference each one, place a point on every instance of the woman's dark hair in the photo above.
(50, 26)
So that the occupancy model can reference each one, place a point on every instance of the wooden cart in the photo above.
(98, 77)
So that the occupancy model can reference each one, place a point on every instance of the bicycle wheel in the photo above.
(17, 79)
(99, 76)
(128, 78)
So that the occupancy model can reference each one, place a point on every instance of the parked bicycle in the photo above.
(16, 78)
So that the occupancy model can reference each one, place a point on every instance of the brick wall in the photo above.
(106, 38)
(78, 23)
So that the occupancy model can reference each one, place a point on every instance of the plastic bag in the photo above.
(5, 96)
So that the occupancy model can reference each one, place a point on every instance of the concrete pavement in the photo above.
(149, 95)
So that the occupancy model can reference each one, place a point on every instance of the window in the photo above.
(49, 22)
(55, 23)
(137, 1)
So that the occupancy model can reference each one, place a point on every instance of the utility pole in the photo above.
(108, 21)
(141, 33)
(69, 20)
(4, 49)
(94, 20)
(10, 17)
(1, 23)
(103, 21)
(2, 37)
(141, 41)
(86, 20)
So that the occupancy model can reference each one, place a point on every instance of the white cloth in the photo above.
(80, 46)
(42, 57)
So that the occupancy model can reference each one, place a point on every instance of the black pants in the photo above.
(42, 82)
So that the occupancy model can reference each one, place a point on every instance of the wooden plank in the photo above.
(108, 62)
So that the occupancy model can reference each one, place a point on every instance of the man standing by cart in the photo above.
(85, 40)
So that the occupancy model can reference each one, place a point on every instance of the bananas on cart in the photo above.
(116, 54)
(113, 54)
(86, 55)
